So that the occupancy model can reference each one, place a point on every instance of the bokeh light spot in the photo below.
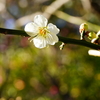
(19, 84)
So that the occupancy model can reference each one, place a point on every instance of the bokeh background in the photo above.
(28, 73)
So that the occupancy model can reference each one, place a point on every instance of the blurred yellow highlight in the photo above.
(75, 92)
(64, 88)
(2, 99)
(97, 76)
(18, 98)
(41, 98)
(19, 84)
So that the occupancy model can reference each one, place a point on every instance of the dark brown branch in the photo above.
(62, 39)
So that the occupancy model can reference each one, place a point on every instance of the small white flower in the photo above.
(42, 34)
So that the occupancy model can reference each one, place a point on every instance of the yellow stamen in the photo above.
(43, 31)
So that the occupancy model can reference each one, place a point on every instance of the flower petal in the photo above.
(31, 29)
(40, 42)
(40, 20)
(52, 28)
(51, 38)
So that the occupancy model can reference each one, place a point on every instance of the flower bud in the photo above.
(83, 31)
(96, 40)
(83, 27)
(94, 53)
(98, 34)
(91, 35)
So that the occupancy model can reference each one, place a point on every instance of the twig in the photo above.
(49, 10)
(12, 32)
(62, 39)
(76, 20)
(79, 42)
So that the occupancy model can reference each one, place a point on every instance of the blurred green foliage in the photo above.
(28, 73)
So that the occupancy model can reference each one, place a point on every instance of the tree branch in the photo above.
(79, 42)
(76, 20)
(62, 39)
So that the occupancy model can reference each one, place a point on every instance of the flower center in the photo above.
(43, 31)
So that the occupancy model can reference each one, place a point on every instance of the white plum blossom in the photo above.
(41, 33)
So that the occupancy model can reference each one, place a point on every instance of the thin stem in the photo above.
(62, 39)
(79, 42)
(13, 32)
